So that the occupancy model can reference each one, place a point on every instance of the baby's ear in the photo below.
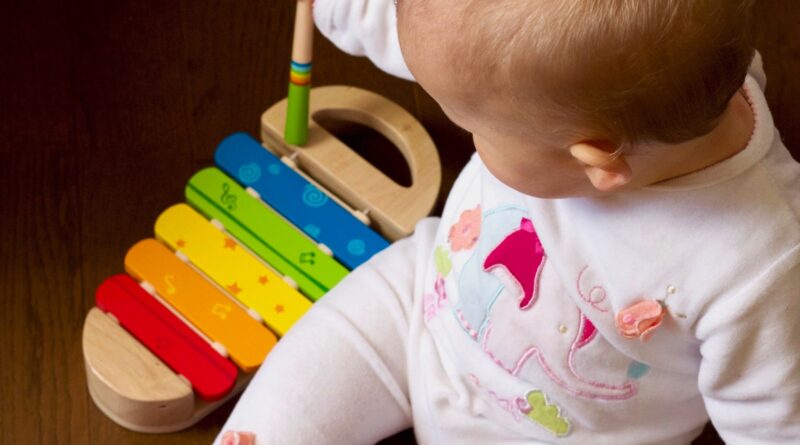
(606, 170)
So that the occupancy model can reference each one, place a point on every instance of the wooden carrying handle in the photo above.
(393, 209)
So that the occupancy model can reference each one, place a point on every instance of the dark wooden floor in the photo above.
(107, 108)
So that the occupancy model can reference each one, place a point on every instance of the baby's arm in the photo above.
(339, 375)
(750, 369)
(363, 28)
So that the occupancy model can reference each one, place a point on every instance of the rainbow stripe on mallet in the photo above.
(300, 74)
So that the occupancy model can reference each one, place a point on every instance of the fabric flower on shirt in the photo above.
(464, 234)
(640, 319)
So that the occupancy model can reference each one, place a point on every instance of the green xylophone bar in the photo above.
(264, 232)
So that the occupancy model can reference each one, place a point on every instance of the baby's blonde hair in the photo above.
(626, 71)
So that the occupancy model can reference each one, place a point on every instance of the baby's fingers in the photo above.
(238, 438)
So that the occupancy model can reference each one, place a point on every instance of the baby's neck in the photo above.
(729, 137)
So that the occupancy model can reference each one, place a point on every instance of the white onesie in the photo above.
(627, 319)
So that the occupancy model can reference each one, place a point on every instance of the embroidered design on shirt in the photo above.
(507, 404)
(595, 296)
(545, 413)
(523, 318)
(569, 379)
(522, 255)
(534, 407)
(464, 234)
(441, 258)
(431, 303)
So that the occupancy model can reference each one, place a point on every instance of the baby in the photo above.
(618, 263)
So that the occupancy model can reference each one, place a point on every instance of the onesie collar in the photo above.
(760, 142)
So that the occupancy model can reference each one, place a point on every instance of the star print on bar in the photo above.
(234, 289)
(230, 244)
(263, 279)
(279, 308)
(181, 243)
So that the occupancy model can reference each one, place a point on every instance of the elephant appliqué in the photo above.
(516, 308)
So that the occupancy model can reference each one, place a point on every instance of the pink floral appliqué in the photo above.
(465, 233)
(640, 319)
(431, 303)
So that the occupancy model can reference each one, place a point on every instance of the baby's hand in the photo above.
(238, 438)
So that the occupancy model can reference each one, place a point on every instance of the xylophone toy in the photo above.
(229, 271)
(262, 235)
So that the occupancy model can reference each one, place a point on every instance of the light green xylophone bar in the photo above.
(264, 232)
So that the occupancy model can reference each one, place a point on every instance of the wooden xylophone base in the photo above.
(163, 403)
(129, 413)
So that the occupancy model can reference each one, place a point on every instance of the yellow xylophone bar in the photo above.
(226, 262)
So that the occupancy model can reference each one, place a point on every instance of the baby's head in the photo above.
(541, 83)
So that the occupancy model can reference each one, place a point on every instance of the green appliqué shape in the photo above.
(443, 262)
(546, 414)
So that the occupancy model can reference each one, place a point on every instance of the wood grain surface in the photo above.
(108, 107)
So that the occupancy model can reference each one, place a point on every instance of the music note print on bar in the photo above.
(228, 199)
(221, 311)
(308, 258)
(169, 280)
(162, 343)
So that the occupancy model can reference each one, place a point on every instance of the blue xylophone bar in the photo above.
(299, 201)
